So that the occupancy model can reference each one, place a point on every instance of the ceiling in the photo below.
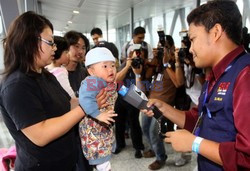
(95, 13)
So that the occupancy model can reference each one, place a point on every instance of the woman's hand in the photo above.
(101, 99)
(107, 117)
(177, 60)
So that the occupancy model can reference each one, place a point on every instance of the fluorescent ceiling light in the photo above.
(76, 12)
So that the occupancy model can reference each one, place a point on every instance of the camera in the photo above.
(184, 51)
(246, 39)
(162, 42)
(182, 54)
(137, 61)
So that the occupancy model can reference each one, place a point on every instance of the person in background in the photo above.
(78, 45)
(34, 106)
(163, 88)
(57, 67)
(97, 139)
(218, 129)
(138, 38)
(96, 34)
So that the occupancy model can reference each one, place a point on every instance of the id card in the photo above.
(196, 130)
(159, 77)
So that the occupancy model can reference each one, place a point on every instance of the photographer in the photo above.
(134, 69)
(164, 88)
(96, 34)
(192, 79)
(138, 38)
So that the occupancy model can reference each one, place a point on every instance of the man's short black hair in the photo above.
(72, 37)
(96, 30)
(223, 12)
(139, 30)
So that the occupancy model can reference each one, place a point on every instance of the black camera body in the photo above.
(182, 54)
(136, 62)
(246, 39)
(162, 41)
(184, 51)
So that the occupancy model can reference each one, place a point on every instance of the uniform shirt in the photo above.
(194, 90)
(27, 99)
(240, 150)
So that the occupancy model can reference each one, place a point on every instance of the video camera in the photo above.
(184, 51)
(137, 61)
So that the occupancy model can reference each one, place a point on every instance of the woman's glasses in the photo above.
(50, 43)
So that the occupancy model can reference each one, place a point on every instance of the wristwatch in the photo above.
(177, 65)
(167, 65)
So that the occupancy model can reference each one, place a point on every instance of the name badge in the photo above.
(159, 77)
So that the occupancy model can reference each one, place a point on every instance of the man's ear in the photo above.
(217, 31)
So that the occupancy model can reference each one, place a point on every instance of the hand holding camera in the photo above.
(137, 61)
(184, 53)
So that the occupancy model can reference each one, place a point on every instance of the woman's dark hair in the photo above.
(223, 12)
(62, 45)
(169, 40)
(22, 42)
(144, 48)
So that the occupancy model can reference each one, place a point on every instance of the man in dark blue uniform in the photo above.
(218, 130)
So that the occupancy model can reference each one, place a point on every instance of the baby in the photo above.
(97, 139)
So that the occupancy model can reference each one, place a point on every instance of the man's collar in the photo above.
(219, 68)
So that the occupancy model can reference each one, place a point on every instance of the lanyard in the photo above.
(196, 130)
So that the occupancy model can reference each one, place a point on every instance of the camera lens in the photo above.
(136, 62)
(182, 54)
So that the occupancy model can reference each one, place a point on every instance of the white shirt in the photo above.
(62, 77)
(130, 48)
(195, 90)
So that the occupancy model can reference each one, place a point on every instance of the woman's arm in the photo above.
(48, 130)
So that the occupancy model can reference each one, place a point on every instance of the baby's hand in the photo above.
(107, 117)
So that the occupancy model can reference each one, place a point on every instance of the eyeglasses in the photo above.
(50, 43)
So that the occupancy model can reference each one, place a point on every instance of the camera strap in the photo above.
(190, 82)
